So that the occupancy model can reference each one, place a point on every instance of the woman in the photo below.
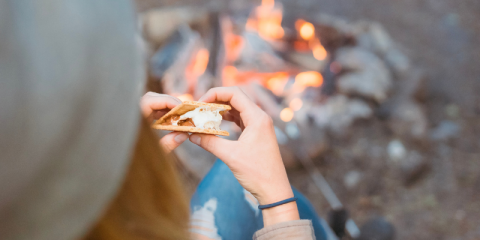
(77, 159)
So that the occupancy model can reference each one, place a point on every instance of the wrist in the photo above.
(275, 194)
(282, 213)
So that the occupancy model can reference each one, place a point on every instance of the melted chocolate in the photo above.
(187, 122)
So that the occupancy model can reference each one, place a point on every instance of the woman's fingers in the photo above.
(172, 140)
(154, 101)
(234, 95)
(222, 148)
(237, 99)
(158, 114)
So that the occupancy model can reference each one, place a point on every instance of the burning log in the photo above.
(259, 54)
(306, 60)
(330, 73)
(182, 58)
(217, 51)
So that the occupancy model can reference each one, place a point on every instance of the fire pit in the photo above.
(314, 77)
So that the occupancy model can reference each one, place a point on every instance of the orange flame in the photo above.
(233, 43)
(268, 3)
(266, 19)
(305, 29)
(201, 62)
(196, 67)
(277, 83)
(306, 32)
(296, 104)
(318, 50)
(286, 114)
(307, 79)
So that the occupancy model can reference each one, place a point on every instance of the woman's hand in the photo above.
(154, 106)
(255, 158)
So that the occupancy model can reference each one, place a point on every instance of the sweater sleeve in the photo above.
(298, 230)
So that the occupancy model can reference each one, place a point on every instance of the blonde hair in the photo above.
(151, 203)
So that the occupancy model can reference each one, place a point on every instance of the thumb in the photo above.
(172, 140)
(217, 146)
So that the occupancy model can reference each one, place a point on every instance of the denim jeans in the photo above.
(222, 209)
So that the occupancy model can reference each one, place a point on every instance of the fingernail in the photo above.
(153, 93)
(180, 138)
(195, 139)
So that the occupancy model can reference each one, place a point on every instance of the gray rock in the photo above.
(452, 110)
(372, 36)
(366, 75)
(408, 120)
(352, 178)
(397, 61)
(411, 164)
(396, 150)
(413, 167)
(381, 39)
(445, 130)
(339, 112)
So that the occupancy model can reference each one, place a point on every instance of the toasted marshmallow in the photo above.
(203, 117)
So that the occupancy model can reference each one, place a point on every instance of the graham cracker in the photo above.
(186, 107)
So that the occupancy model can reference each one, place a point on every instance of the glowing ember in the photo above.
(305, 29)
(306, 32)
(301, 46)
(307, 79)
(269, 29)
(185, 97)
(319, 51)
(299, 23)
(201, 62)
(277, 83)
(286, 114)
(266, 19)
(296, 104)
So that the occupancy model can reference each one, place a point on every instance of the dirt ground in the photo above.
(442, 37)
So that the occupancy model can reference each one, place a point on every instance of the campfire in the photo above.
(313, 76)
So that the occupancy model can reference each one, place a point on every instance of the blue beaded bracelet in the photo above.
(277, 203)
